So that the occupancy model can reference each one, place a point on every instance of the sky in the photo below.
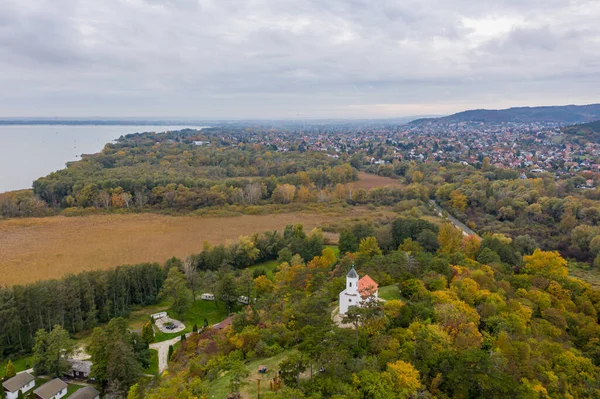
(217, 59)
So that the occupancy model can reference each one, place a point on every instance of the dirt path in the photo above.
(163, 352)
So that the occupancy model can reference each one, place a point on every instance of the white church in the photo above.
(357, 290)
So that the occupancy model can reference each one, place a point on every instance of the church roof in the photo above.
(366, 285)
(352, 273)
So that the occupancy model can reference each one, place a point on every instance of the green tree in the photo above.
(226, 290)
(51, 351)
(10, 370)
(175, 288)
(148, 333)
(291, 368)
(347, 242)
(368, 247)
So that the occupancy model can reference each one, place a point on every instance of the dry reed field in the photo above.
(369, 181)
(35, 249)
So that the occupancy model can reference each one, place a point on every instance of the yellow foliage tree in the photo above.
(470, 246)
(263, 285)
(404, 377)
(449, 239)
(458, 200)
(368, 247)
(546, 263)
(393, 307)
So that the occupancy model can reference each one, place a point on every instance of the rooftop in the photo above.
(50, 388)
(18, 382)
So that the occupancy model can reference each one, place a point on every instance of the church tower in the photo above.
(352, 280)
(350, 296)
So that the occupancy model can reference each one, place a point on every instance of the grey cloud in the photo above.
(269, 58)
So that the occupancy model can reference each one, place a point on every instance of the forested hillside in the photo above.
(465, 324)
(564, 114)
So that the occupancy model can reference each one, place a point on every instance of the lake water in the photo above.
(31, 151)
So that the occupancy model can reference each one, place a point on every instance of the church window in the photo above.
(350, 284)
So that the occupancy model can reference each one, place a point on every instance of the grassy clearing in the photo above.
(44, 248)
(268, 266)
(21, 364)
(195, 315)
(153, 367)
(220, 387)
(389, 292)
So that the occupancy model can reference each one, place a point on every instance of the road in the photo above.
(457, 223)
(163, 352)
(163, 347)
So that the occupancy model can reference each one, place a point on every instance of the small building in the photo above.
(54, 389)
(207, 297)
(357, 291)
(86, 393)
(23, 382)
(159, 315)
(80, 369)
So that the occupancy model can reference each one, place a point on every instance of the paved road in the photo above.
(457, 223)
(163, 352)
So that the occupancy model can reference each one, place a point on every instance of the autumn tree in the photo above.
(458, 200)
(403, 377)
(449, 239)
(284, 193)
(546, 263)
(368, 247)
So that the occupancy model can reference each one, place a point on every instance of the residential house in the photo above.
(54, 389)
(80, 369)
(21, 382)
(86, 393)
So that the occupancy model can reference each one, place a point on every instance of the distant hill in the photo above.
(567, 114)
(589, 131)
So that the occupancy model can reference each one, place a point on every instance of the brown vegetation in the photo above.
(368, 181)
(43, 248)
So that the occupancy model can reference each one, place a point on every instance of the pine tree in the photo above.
(170, 352)
(10, 370)
(195, 328)
(148, 333)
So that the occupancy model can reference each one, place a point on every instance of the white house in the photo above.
(357, 290)
(54, 389)
(159, 315)
(21, 382)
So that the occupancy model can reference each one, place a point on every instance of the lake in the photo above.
(31, 151)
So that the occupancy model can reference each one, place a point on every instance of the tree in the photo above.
(284, 193)
(171, 350)
(10, 370)
(403, 377)
(458, 200)
(175, 288)
(51, 351)
(368, 247)
(189, 269)
(546, 263)
(291, 368)
(148, 332)
(449, 239)
(226, 290)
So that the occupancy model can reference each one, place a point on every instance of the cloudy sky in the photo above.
(294, 58)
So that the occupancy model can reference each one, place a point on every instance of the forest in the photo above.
(466, 323)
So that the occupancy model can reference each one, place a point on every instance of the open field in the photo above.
(389, 292)
(369, 181)
(43, 248)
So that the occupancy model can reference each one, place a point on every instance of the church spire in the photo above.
(352, 273)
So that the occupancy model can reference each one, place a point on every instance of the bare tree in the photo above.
(141, 198)
(189, 269)
(105, 198)
(126, 197)
(253, 193)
